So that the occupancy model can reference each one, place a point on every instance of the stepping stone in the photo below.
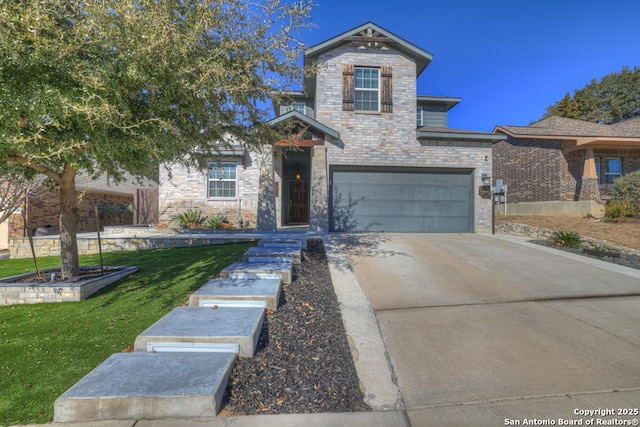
(148, 386)
(259, 270)
(267, 252)
(204, 329)
(228, 292)
(283, 241)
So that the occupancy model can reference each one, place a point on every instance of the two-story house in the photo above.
(373, 155)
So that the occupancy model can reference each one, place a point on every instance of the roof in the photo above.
(563, 127)
(448, 101)
(457, 134)
(375, 35)
(312, 123)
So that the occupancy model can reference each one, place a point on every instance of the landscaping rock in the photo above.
(303, 363)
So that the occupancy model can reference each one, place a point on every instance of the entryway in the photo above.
(295, 186)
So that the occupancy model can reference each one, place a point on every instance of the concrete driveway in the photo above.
(487, 331)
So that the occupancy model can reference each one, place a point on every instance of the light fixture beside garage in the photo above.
(486, 180)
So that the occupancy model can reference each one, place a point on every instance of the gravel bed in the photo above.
(303, 363)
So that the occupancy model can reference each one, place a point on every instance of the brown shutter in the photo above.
(347, 87)
(386, 101)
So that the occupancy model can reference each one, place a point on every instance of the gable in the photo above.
(371, 36)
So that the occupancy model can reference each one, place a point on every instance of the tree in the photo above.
(614, 98)
(124, 85)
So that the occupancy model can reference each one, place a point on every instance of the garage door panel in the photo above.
(392, 201)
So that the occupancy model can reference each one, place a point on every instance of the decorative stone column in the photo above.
(266, 219)
(589, 186)
(319, 212)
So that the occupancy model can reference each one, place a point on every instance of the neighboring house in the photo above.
(564, 160)
(371, 154)
(42, 208)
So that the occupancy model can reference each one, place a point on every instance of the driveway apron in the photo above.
(482, 330)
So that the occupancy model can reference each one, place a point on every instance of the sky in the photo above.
(506, 59)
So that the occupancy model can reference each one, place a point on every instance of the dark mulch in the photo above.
(303, 363)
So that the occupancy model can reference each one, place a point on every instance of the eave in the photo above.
(457, 135)
(570, 143)
(449, 102)
(306, 120)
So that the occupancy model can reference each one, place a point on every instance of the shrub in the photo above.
(215, 221)
(627, 188)
(189, 218)
(618, 209)
(566, 239)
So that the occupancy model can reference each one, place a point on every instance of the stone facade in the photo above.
(183, 188)
(387, 139)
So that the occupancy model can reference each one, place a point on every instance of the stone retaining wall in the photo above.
(525, 230)
(50, 245)
(31, 293)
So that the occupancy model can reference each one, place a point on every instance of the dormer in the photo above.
(432, 111)
(295, 101)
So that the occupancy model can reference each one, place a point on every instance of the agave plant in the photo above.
(189, 218)
(566, 239)
(215, 221)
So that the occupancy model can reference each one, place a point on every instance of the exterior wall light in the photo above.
(486, 180)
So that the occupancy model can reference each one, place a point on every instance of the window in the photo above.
(222, 179)
(299, 107)
(367, 87)
(612, 169)
(419, 117)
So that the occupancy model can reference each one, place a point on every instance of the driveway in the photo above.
(487, 331)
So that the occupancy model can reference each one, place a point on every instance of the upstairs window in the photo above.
(222, 179)
(367, 89)
(300, 107)
(419, 117)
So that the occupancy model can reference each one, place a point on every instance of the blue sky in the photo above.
(506, 59)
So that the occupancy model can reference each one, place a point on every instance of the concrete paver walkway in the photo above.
(481, 329)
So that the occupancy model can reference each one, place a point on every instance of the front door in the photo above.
(298, 202)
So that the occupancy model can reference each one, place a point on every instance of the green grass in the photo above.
(46, 348)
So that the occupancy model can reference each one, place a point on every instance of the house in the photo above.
(120, 204)
(560, 165)
(370, 155)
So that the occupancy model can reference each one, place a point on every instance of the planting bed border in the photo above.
(32, 293)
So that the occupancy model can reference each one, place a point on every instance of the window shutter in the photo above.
(348, 89)
(386, 100)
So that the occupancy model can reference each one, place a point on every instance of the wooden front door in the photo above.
(298, 202)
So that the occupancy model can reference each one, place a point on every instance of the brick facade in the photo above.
(537, 170)
(44, 210)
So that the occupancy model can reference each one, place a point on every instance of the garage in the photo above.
(401, 200)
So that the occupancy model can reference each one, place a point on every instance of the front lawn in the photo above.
(46, 348)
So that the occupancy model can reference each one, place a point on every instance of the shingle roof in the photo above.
(560, 126)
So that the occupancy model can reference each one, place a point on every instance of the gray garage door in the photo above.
(401, 200)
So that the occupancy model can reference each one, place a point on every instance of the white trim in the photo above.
(366, 89)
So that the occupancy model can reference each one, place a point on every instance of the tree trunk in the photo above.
(69, 223)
